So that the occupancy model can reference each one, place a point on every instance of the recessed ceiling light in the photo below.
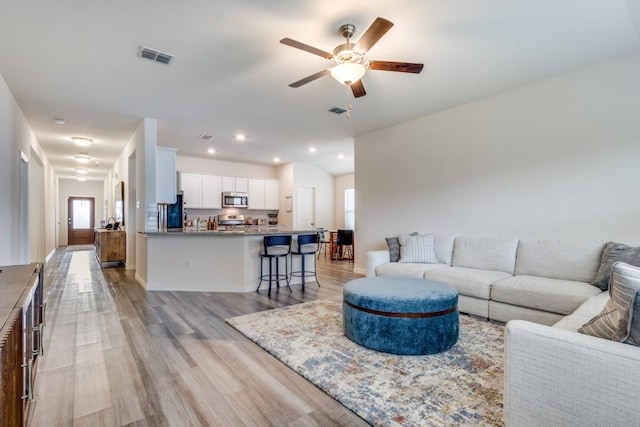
(82, 171)
(82, 158)
(276, 159)
(81, 178)
(211, 151)
(312, 149)
(83, 142)
(58, 121)
(240, 137)
(341, 156)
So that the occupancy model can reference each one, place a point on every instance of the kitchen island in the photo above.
(209, 261)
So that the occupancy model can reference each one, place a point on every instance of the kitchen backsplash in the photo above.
(248, 213)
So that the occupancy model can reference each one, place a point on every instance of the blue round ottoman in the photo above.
(401, 315)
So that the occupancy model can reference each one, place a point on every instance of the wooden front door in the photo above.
(80, 220)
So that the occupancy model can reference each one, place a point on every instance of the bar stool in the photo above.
(344, 242)
(324, 243)
(308, 244)
(275, 248)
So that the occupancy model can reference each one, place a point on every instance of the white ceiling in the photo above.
(77, 60)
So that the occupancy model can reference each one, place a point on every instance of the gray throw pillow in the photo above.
(394, 247)
(616, 319)
(612, 253)
(634, 323)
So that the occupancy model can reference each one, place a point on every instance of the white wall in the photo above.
(16, 137)
(557, 158)
(343, 182)
(74, 188)
(223, 168)
(306, 174)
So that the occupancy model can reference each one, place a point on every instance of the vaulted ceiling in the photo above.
(78, 60)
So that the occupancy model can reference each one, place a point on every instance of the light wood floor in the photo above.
(117, 355)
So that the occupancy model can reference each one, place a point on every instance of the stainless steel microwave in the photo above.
(235, 200)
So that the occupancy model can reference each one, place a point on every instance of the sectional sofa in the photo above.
(554, 376)
(504, 278)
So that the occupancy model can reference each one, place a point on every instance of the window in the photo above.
(350, 209)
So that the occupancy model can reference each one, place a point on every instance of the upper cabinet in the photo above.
(211, 192)
(271, 194)
(165, 175)
(256, 194)
(191, 186)
(235, 184)
(202, 191)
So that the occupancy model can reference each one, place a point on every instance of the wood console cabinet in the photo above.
(22, 313)
(110, 245)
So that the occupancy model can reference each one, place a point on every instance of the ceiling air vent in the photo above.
(206, 137)
(338, 110)
(155, 55)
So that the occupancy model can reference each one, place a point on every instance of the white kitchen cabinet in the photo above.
(191, 187)
(242, 185)
(256, 193)
(271, 195)
(235, 184)
(211, 192)
(166, 175)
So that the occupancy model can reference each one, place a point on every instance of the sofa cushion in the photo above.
(417, 248)
(540, 293)
(584, 313)
(444, 247)
(612, 253)
(471, 282)
(485, 253)
(559, 259)
(615, 320)
(396, 269)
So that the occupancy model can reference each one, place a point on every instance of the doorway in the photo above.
(80, 220)
(306, 208)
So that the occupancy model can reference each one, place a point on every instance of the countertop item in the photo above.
(244, 231)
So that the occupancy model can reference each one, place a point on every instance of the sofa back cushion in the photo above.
(559, 259)
(444, 247)
(486, 253)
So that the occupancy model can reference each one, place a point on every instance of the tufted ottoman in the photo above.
(400, 315)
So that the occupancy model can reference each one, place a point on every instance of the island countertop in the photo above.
(248, 231)
(207, 261)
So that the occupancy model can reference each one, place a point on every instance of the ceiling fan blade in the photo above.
(404, 67)
(358, 89)
(306, 48)
(310, 78)
(374, 33)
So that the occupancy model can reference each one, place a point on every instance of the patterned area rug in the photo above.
(462, 386)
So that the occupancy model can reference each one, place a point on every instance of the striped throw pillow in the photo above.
(616, 319)
(418, 248)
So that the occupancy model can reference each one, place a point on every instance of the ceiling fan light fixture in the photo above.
(348, 73)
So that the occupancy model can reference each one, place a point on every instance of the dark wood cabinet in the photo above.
(110, 245)
(22, 312)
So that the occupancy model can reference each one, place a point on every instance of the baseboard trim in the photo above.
(48, 257)
(141, 281)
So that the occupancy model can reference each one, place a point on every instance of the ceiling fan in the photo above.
(350, 60)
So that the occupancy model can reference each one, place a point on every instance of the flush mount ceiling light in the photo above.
(312, 149)
(81, 141)
(341, 156)
(211, 151)
(81, 178)
(82, 171)
(240, 137)
(82, 158)
(276, 159)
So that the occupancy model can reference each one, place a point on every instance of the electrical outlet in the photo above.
(188, 263)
